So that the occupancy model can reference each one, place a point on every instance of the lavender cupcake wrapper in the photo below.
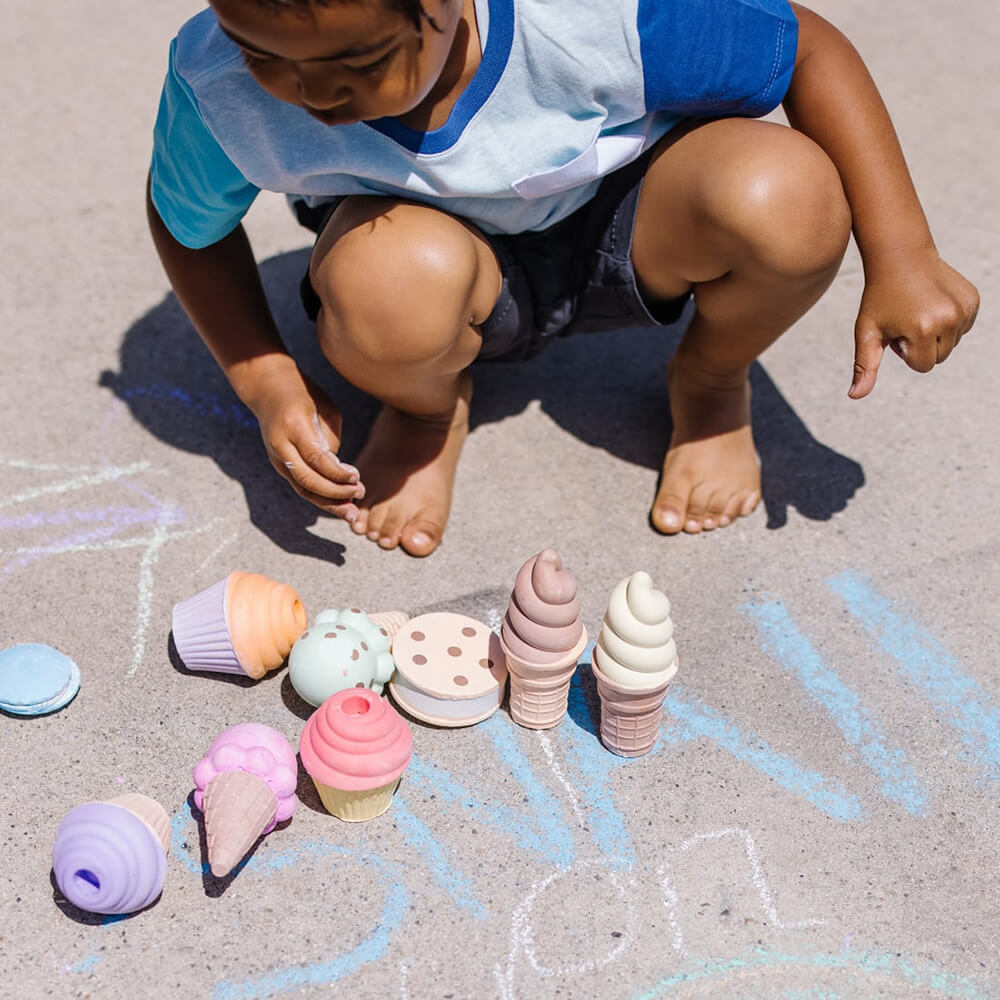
(201, 632)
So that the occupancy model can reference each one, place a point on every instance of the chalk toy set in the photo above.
(440, 668)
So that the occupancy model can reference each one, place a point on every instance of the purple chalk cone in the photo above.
(106, 859)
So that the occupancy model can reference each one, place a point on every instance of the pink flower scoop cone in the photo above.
(542, 638)
(245, 624)
(245, 786)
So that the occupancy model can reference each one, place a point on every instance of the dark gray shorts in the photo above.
(574, 277)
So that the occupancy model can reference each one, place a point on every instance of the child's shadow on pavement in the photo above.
(606, 389)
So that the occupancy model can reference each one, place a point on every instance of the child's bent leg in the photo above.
(403, 289)
(752, 217)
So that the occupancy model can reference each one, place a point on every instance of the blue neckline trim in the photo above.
(494, 61)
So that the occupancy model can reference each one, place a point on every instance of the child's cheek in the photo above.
(278, 83)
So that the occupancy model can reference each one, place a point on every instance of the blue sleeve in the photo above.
(716, 57)
(197, 190)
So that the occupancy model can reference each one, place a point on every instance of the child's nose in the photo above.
(320, 88)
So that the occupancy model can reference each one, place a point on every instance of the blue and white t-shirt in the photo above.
(566, 92)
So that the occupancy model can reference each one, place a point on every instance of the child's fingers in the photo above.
(869, 346)
(302, 473)
(348, 510)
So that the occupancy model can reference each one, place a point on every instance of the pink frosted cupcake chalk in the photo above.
(355, 748)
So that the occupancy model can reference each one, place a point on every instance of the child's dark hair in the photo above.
(413, 9)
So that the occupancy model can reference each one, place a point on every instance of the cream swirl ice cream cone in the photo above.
(542, 639)
(635, 660)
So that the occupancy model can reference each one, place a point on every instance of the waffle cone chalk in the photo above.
(244, 624)
(111, 857)
(391, 621)
(542, 639)
(635, 660)
(245, 786)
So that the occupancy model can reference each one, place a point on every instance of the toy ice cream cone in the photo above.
(539, 692)
(630, 717)
(110, 857)
(543, 639)
(244, 624)
(635, 660)
(149, 811)
(245, 786)
(238, 808)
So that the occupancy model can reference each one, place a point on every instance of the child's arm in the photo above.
(219, 288)
(913, 301)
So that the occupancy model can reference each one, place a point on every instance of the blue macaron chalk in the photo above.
(36, 679)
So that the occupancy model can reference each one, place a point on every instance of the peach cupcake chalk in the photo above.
(355, 747)
(244, 624)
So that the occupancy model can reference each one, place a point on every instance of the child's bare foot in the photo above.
(711, 473)
(408, 468)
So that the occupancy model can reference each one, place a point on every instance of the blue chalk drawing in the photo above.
(538, 827)
(854, 970)
(696, 719)
(594, 767)
(200, 404)
(924, 661)
(372, 948)
(797, 657)
(87, 964)
(420, 838)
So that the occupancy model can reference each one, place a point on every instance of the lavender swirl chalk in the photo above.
(111, 857)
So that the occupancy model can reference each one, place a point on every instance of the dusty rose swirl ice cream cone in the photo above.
(543, 639)
(635, 660)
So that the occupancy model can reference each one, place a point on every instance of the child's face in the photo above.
(345, 62)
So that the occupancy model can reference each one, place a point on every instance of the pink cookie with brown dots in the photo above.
(450, 669)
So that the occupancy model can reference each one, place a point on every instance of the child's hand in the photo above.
(301, 431)
(914, 303)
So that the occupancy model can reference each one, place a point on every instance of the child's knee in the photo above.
(397, 286)
(796, 206)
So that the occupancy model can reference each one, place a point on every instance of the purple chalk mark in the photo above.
(116, 514)
(121, 519)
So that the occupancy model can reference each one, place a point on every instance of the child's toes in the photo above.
(389, 530)
(421, 536)
(697, 510)
(668, 513)
(749, 503)
(732, 509)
